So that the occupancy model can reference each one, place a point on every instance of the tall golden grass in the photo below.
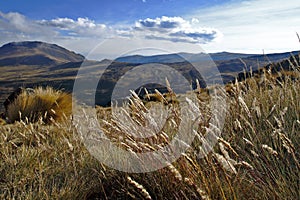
(45, 104)
(256, 157)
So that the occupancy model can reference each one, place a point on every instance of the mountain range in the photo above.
(182, 57)
(200, 57)
(33, 63)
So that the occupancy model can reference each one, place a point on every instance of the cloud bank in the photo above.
(82, 34)
(79, 27)
(176, 29)
(16, 26)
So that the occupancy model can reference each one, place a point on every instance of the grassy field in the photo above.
(256, 157)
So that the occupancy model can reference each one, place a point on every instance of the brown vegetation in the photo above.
(45, 104)
(256, 157)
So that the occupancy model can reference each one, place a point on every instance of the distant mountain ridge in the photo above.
(31, 64)
(182, 57)
(230, 65)
(191, 57)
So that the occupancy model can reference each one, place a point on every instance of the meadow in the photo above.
(256, 155)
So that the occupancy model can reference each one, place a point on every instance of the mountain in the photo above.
(228, 64)
(286, 66)
(182, 57)
(253, 62)
(33, 63)
(36, 53)
(200, 57)
(30, 64)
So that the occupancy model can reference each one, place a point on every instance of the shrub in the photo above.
(44, 104)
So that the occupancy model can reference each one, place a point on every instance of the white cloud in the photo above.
(14, 20)
(253, 25)
(82, 27)
(176, 29)
(17, 25)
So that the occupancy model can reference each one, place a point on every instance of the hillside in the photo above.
(227, 63)
(36, 53)
(255, 156)
(277, 70)
(244, 147)
(30, 64)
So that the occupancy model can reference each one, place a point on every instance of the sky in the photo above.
(102, 29)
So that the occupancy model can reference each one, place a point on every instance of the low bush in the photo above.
(44, 104)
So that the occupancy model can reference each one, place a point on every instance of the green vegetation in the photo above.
(257, 156)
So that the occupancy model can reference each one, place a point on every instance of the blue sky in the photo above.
(104, 11)
(250, 26)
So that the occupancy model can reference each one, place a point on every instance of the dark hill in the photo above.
(36, 53)
(38, 59)
(286, 65)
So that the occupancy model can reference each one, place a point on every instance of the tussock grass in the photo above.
(256, 156)
(44, 104)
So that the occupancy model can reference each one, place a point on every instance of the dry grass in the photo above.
(256, 157)
(44, 104)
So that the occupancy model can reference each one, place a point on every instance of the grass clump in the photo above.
(44, 104)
